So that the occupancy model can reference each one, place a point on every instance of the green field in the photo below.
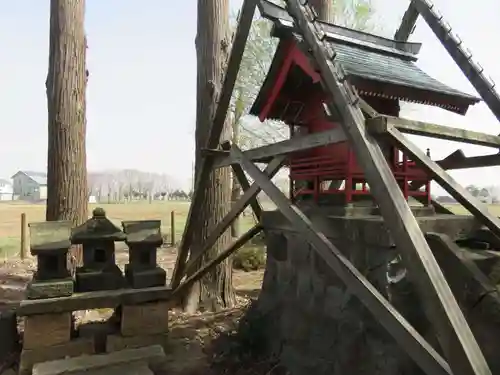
(10, 218)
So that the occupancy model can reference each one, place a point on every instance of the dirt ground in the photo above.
(190, 341)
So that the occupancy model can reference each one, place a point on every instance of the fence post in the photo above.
(24, 236)
(172, 227)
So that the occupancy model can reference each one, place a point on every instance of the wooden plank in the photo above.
(93, 300)
(266, 153)
(206, 164)
(407, 24)
(245, 186)
(461, 195)
(238, 207)
(409, 339)
(441, 307)
(371, 113)
(244, 183)
(223, 255)
(381, 124)
(368, 109)
(458, 160)
(462, 57)
(468, 162)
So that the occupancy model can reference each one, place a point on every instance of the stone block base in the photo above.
(45, 330)
(119, 342)
(126, 360)
(145, 278)
(145, 319)
(49, 289)
(73, 348)
(92, 281)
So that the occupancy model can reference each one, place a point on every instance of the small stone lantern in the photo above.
(50, 243)
(97, 236)
(143, 239)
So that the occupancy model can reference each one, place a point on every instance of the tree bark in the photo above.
(67, 195)
(212, 44)
(324, 8)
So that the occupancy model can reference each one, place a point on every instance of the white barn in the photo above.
(30, 186)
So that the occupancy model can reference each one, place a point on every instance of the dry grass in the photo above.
(10, 218)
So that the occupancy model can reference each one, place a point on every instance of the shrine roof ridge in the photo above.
(339, 34)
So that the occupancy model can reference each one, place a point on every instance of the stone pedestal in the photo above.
(99, 271)
(47, 330)
(48, 337)
(144, 319)
(315, 324)
(73, 348)
(145, 278)
(141, 361)
(140, 325)
(49, 242)
(143, 239)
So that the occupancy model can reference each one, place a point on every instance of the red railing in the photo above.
(343, 167)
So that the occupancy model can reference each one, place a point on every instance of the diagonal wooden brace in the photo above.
(245, 185)
(243, 181)
(477, 208)
(455, 336)
(407, 24)
(416, 346)
(237, 208)
(233, 247)
(206, 164)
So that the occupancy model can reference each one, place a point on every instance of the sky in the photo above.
(142, 85)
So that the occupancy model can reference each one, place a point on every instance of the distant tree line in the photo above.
(126, 194)
(486, 194)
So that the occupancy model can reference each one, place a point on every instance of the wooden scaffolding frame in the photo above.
(364, 128)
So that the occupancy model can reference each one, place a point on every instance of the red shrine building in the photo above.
(383, 71)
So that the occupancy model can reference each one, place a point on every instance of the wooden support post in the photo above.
(381, 124)
(265, 153)
(407, 24)
(244, 183)
(458, 342)
(24, 237)
(223, 255)
(206, 164)
(237, 208)
(172, 228)
(460, 54)
(409, 339)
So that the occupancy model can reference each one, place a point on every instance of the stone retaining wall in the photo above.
(319, 326)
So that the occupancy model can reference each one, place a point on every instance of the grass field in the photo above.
(10, 218)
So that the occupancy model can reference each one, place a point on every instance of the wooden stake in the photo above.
(172, 227)
(24, 236)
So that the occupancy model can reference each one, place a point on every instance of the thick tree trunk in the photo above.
(324, 8)
(212, 44)
(67, 197)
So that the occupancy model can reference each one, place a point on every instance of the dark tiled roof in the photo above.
(379, 60)
(374, 66)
